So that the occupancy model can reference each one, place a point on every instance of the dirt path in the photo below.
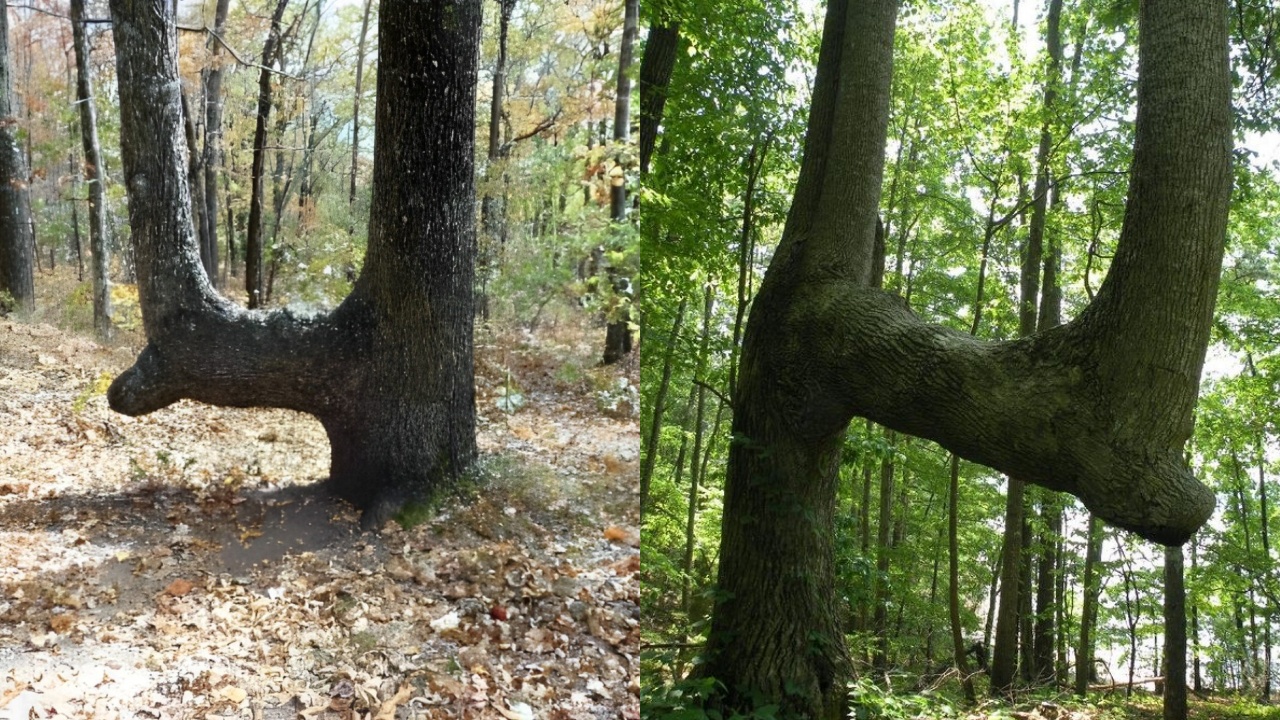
(185, 564)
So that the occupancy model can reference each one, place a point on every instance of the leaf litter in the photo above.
(185, 564)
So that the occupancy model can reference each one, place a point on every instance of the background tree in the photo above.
(17, 242)
(93, 178)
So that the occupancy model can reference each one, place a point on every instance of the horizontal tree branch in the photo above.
(234, 54)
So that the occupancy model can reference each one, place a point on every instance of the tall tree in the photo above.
(1175, 636)
(1088, 606)
(253, 276)
(1099, 407)
(93, 177)
(213, 103)
(492, 221)
(389, 371)
(17, 240)
(355, 105)
(617, 341)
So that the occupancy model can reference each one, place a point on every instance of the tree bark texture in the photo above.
(656, 66)
(1099, 407)
(213, 146)
(1088, 606)
(1004, 657)
(389, 371)
(100, 262)
(17, 240)
(253, 284)
(1175, 636)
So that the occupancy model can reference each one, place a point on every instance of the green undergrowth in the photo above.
(696, 699)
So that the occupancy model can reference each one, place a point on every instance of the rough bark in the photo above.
(1100, 407)
(253, 281)
(492, 209)
(1004, 658)
(213, 146)
(656, 66)
(1175, 636)
(93, 177)
(1088, 607)
(17, 240)
(388, 372)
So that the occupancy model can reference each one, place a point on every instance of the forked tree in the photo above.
(1099, 407)
(389, 371)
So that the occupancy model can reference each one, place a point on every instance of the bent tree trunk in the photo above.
(389, 371)
(1099, 407)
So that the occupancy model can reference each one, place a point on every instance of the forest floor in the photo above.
(185, 564)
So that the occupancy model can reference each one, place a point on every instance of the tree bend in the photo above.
(1101, 407)
(1038, 408)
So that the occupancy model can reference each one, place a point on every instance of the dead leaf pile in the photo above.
(184, 564)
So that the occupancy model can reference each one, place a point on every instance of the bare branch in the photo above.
(234, 54)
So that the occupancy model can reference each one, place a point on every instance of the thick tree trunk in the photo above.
(253, 280)
(389, 372)
(1175, 636)
(17, 238)
(93, 178)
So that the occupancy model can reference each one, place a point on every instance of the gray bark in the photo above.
(253, 278)
(17, 239)
(213, 147)
(93, 176)
(1175, 636)
(389, 372)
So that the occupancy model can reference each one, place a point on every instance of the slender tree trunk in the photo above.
(659, 407)
(1196, 679)
(953, 575)
(253, 278)
(617, 341)
(93, 178)
(695, 474)
(880, 622)
(17, 237)
(492, 209)
(1267, 608)
(1089, 607)
(1175, 637)
(213, 145)
(355, 109)
(195, 177)
(1004, 659)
